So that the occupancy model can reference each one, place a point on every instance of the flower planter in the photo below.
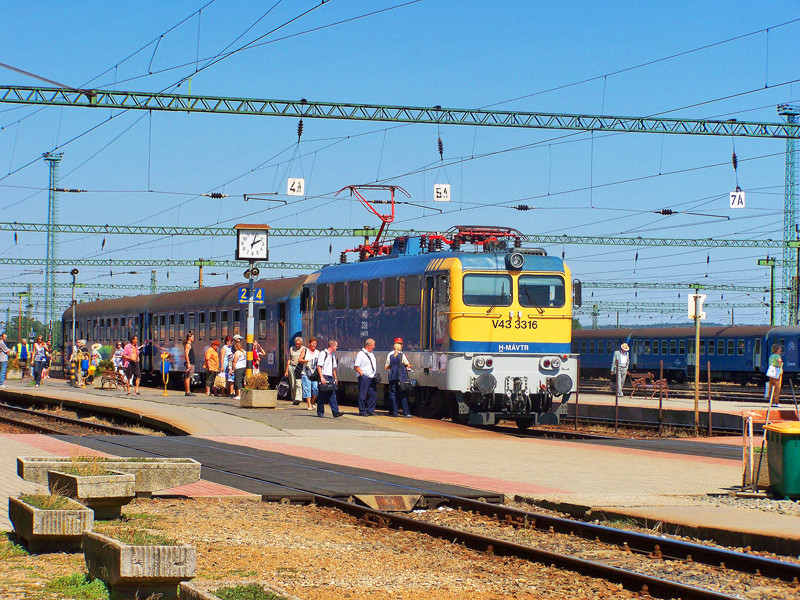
(152, 474)
(763, 475)
(138, 571)
(51, 530)
(204, 590)
(259, 398)
(104, 494)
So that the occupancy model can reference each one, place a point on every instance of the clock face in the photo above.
(252, 245)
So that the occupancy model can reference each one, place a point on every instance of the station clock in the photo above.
(251, 242)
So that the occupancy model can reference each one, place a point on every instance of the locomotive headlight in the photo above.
(515, 260)
(556, 362)
(549, 363)
(480, 362)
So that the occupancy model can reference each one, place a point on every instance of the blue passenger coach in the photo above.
(735, 353)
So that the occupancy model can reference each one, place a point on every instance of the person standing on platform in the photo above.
(117, 358)
(398, 366)
(258, 352)
(188, 363)
(39, 359)
(367, 370)
(130, 360)
(22, 353)
(238, 368)
(619, 367)
(775, 374)
(328, 379)
(211, 365)
(294, 371)
(308, 360)
(4, 352)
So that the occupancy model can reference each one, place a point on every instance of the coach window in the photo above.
(487, 290)
(374, 293)
(782, 343)
(711, 346)
(720, 347)
(702, 346)
(212, 324)
(191, 321)
(655, 347)
(201, 325)
(609, 347)
(664, 347)
(682, 347)
(740, 347)
(339, 295)
(262, 322)
(647, 347)
(731, 347)
(574, 348)
(237, 324)
(355, 292)
(181, 325)
(757, 346)
(413, 287)
(223, 323)
(390, 291)
(171, 322)
(322, 296)
(591, 347)
(673, 346)
(583, 346)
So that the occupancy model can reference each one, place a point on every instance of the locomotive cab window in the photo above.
(322, 296)
(487, 290)
(540, 291)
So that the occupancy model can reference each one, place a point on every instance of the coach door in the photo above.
(435, 333)
(757, 354)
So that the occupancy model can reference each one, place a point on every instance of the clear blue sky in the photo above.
(143, 168)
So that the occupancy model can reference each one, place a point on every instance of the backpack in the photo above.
(312, 373)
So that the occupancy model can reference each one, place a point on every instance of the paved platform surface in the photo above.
(657, 482)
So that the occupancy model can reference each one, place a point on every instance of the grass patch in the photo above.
(137, 537)
(47, 501)
(9, 548)
(143, 519)
(87, 470)
(80, 586)
(252, 591)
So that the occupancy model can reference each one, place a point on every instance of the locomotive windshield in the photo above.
(539, 291)
(487, 290)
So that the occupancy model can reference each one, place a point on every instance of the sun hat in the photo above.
(625, 346)
(237, 337)
(97, 346)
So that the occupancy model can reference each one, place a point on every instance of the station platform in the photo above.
(653, 481)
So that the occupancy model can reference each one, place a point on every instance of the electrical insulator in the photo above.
(431, 245)
(299, 130)
(735, 161)
(517, 242)
(523, 207)
(665, 211)
(438, 244)
(343, 258)
(362, 255)
(456, 245)
(401, 245)
(423, 241)
(441, 149)
(217, 195)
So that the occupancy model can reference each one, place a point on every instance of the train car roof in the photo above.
(276, 290)
(667, 332)
(397, 265)
(604, 333)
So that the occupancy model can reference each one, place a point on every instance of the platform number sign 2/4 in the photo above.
(258, 296)
(296, 187)
(737, 199)
(441, 192)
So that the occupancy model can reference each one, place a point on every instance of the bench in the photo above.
(110, 377)
(648, 383)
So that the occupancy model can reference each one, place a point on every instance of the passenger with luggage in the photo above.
(310, 375)
(368, 379)
(211, 365)
(399, 383)
(775, 374)
(328, 379)
(238, 369)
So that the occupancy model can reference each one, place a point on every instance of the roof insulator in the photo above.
(299, 130)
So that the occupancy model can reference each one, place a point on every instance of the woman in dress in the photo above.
(238, 368)
(398, 366)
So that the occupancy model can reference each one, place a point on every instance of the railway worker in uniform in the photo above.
(211, 365)
(366, 367)
(775, 374)
(398, 366)
(308, 359)
(188, 363)
(326, 368)
(294, 371)
(619, 367)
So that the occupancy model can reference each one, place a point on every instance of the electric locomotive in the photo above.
(488, 332)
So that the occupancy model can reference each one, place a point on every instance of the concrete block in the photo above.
(104, 494)
(152, 474)
(138, 571)
(51, 530)
(204, 590)
(259, 398)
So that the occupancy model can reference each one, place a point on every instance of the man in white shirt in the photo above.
(4, 352)
(366, 367)
(326, 365)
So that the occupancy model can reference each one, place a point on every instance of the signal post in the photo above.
(252, 246)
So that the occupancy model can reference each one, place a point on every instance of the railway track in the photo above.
(659, 566)
(51, 424)
(719, 392)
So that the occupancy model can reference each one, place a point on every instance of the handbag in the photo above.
(298, 371)
(283, 388)
(773, 372)
(327, 387)
(219, 380)
(405, 385)
(376, 379)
